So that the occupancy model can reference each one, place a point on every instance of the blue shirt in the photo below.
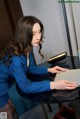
(18, 70)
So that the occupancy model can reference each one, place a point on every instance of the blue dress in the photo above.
(18, 70)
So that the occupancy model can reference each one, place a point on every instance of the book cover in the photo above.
(57, 58)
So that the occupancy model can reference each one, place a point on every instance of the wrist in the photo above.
(49, 69)
(52, 85)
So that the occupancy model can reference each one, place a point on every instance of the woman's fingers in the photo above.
(71, 85)
(62, 69)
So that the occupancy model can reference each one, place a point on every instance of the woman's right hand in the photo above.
(63, 85)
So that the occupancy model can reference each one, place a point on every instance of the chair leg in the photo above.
(44, 110)
(49, 107)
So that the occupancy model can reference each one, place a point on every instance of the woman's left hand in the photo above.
(57, 69)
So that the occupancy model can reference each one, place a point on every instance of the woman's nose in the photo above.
(38, 36)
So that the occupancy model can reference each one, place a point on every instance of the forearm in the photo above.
(35, 87)
(38, 70)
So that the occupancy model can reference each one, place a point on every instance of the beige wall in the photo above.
(50, 13)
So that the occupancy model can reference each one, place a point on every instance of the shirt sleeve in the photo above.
(22, 80)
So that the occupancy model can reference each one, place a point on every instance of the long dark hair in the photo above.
(23, 37)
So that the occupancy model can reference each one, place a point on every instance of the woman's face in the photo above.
(36, 35)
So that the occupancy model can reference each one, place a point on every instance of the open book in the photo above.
(71, 75)
(57, 58)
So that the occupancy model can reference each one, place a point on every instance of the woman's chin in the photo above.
(36, 45)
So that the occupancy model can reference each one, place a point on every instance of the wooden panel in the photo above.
(10, 13)
(6, 33)
(14, 11)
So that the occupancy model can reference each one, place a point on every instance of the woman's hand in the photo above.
(63, 84)
(57, 69)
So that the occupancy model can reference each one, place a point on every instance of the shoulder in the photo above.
(17, 59)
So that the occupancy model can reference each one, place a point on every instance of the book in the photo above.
(57, 58)
(71, 75)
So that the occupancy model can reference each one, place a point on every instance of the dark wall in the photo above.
(10, 13)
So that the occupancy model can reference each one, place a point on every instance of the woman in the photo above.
(17, 61)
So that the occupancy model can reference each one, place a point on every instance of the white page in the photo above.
(71, 75)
